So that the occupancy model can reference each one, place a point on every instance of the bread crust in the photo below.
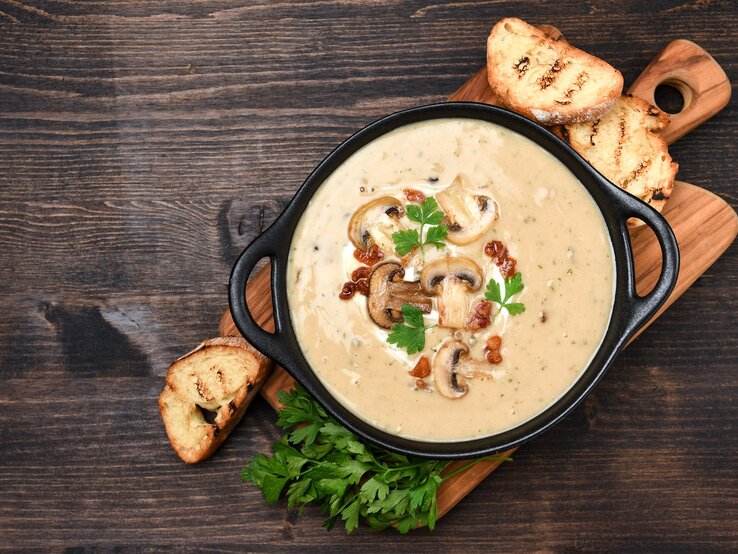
(572, 70)
(220, 375)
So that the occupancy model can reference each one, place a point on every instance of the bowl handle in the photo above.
(642, 308)
(264, 246)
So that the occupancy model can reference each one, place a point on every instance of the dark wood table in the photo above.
(143, 146)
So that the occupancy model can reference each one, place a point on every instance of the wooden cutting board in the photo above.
(704, 224)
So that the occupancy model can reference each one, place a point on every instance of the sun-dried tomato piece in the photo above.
(496, 250)
(369, 257)
(362, 286)
(347, 291)
(361, 272)
(414, 195)
(494, 342)
(422, 385)
(422, 369)
(507, 267)
(479, 318)
(492, 350)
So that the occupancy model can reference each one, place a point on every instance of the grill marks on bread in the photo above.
(552, 82)
(582, 78)
(626, 147)
(219, 379)
(595, 125)
(545, 79)
(522, 66)
(548, 78)
(621, 139)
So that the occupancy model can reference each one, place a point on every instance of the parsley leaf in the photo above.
(270, 474)
(350, 514)
(405, 240)
(513, 286)
(515, 308)
(411, 333)
(436, 235)
(374, 488)
(493, 292)
(412, 315)
(426, 213)
(415, 213)
(351, 481)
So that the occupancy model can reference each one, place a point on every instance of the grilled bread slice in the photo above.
(207, 392)
(626, 147)
(545, 79)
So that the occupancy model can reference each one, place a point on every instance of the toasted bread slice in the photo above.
(219, 378)
(548, 80)
(626, 147)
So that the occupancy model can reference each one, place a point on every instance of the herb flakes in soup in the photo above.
(411, 305)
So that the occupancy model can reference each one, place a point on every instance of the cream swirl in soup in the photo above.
(515, 220)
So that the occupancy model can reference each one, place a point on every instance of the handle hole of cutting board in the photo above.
(672, 96)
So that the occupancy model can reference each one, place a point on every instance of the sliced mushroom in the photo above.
(374, 223)
(448, 375)
(388, 292)
(468, 215)
(451, 279)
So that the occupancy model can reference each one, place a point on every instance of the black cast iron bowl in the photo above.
(629, 313)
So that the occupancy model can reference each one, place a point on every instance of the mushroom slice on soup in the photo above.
(375, 222)
(388, 292)
(449, 378)
(468, 215)
(452, 279)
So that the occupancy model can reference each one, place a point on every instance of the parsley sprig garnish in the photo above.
(411, 333)
(513, 286)
(321, 462)
(426, 213)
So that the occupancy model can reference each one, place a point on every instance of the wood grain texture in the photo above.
(702, 83)
(143, 145)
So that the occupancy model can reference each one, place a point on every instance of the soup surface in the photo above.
(514, 217)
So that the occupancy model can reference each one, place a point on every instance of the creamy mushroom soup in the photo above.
(450, 280)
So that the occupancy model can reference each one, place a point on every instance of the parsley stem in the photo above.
(475, 462)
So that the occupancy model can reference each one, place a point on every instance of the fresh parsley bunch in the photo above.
(321, 462)
(426, 213)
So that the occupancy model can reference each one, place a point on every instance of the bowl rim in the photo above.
(628, 313)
